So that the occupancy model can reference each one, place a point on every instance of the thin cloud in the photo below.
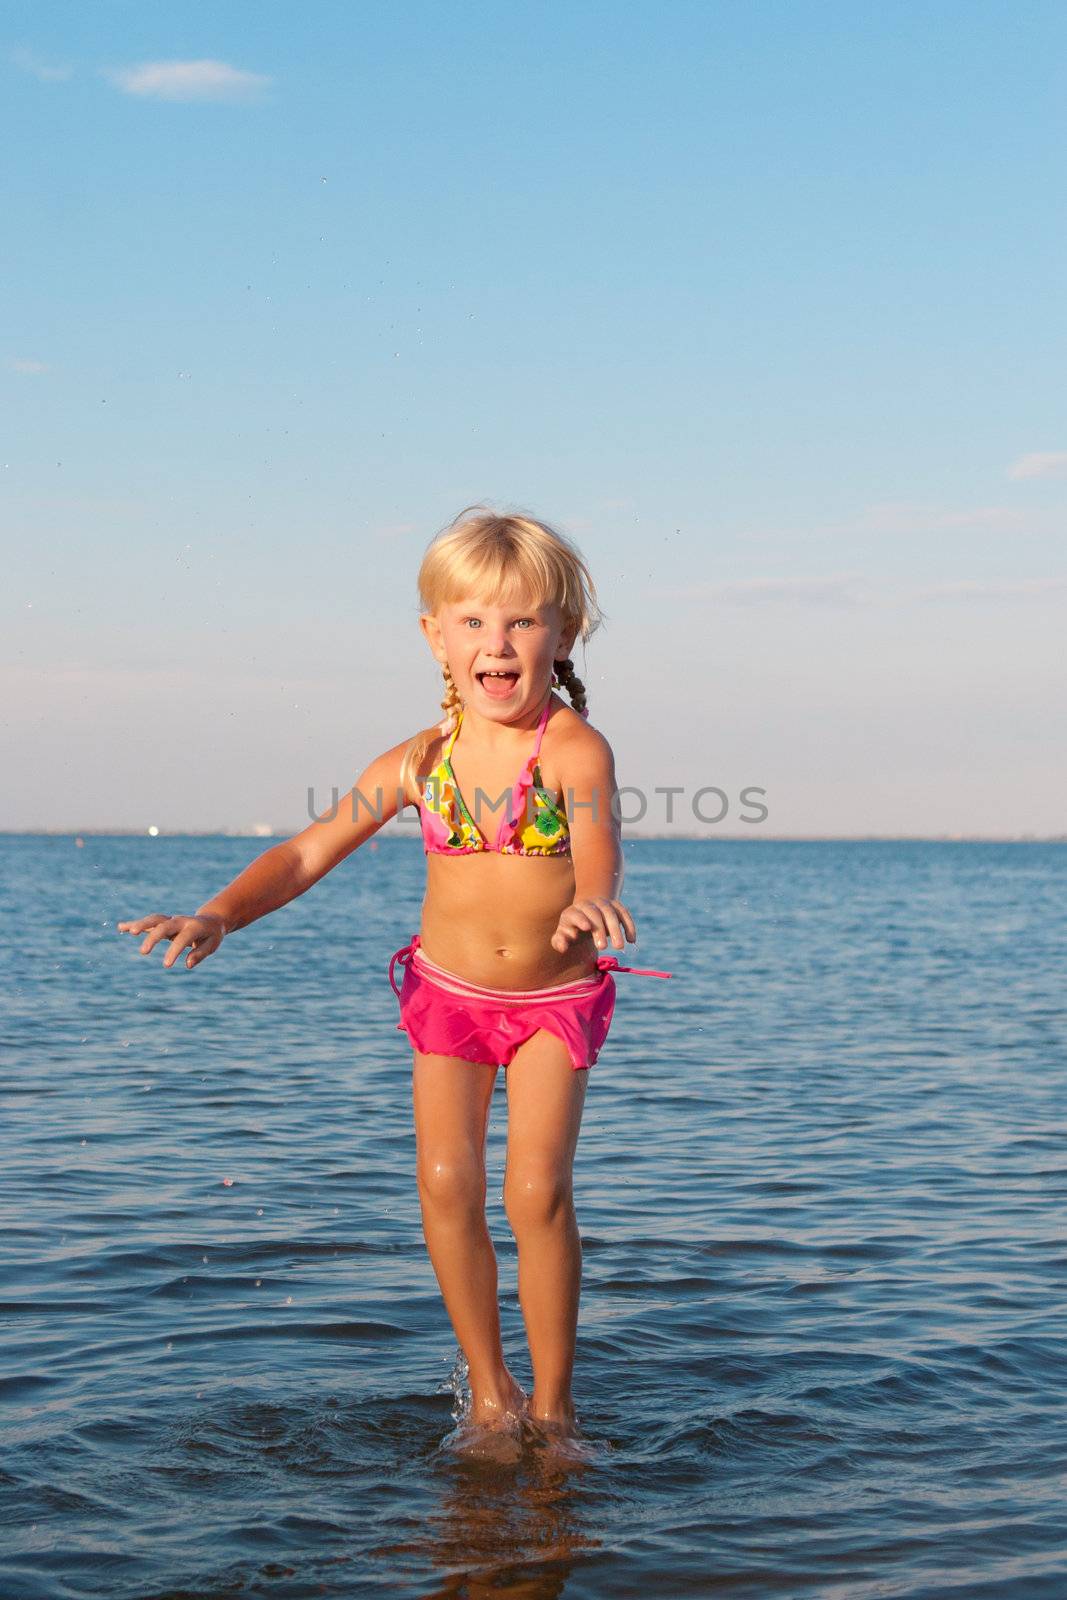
(188, 80)
(43, 71)
(994, 589)
(1040, 464)
(850, 591)
(901, 516)
(27, 367)
(838, 590)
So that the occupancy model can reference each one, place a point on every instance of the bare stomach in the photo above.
(489, 919)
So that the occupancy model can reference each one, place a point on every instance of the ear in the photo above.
(566, 642)
(431, 629)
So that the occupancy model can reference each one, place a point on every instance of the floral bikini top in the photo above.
(448, 829)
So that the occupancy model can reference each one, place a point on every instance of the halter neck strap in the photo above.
(541, 725)
(540, 730)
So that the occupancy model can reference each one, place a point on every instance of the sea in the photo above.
(821, 1187)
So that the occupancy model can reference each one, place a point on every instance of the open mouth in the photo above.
(498, 685)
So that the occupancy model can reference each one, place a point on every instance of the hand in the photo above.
(604, 919)
(203, 934)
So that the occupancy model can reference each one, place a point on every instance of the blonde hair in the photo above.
(504, 558)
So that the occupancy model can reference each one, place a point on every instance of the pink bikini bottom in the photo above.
(443, 1014)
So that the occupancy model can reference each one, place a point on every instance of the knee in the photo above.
(537, 1196)
(451, 1183)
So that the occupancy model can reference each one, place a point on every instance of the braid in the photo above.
(451, 703)
(574, 686)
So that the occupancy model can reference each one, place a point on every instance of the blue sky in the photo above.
(762, 303)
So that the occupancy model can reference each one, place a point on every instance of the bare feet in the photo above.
(491, 1427)
(561, 1440)
(473, 1443)
(502, 1408)
(561, 1414)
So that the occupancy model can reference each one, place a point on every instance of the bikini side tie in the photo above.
(403, 958)
(611, 964)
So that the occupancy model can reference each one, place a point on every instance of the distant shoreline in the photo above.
(412, 835)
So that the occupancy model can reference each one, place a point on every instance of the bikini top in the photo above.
(448, 829)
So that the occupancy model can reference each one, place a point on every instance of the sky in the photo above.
(761, 304)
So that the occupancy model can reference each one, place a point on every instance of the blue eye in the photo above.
(529, 620)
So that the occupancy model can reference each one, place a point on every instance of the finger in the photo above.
(203, 947)
(580, 920)
(614, 926)
(176, 946)
(162, 929)
(599, 929)
(594, 913)
(605, 923)
(616, 922)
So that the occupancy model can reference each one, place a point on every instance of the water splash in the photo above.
(458, 1385)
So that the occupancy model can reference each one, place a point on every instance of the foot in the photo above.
(503, 1408)
(559, 1415)
(472, 1442)
(557, 1438)
(491, 1430)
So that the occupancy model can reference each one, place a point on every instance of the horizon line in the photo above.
(413, 835)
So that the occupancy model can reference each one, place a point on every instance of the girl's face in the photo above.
(501, 657)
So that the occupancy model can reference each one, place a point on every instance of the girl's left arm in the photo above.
(589, 788)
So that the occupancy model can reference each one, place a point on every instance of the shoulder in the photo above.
(417, 756)
(398, 769)
(578, 748)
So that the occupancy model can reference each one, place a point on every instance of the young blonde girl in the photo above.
(505, 967)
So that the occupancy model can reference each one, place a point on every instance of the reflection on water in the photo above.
(502, 1531)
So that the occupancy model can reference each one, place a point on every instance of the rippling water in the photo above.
(821, 1188)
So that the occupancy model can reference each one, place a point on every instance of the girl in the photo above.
(504, 970)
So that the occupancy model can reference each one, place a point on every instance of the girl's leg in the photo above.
(545, 1100)
(452, 1099)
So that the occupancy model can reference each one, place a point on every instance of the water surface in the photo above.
(821, 1184)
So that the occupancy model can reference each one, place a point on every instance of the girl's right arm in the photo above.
(286, 870)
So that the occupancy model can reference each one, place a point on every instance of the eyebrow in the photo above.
(514, 611)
